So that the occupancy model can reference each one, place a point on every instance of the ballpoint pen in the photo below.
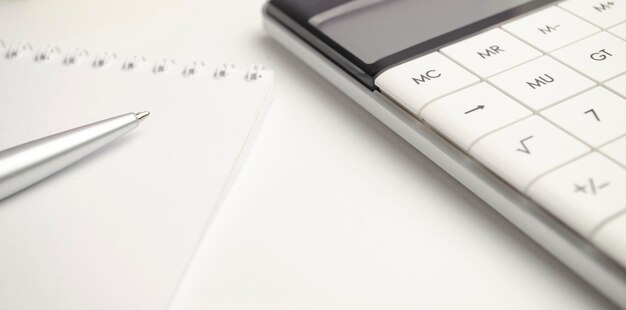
(26, 164)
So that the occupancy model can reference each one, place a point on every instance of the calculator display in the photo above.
(374, 29)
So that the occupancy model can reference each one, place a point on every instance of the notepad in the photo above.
(118, 229)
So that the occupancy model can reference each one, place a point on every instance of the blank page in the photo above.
(117, 229)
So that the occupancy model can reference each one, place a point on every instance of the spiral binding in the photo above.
(103, 59)
(106, 59)
(254, 73)
(133, 62)
(17, 49)
(223, 71)
(75, 56)
(47, 52)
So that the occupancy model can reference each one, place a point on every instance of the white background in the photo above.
(332, 210)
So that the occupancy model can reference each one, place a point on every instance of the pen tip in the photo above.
(142, 115)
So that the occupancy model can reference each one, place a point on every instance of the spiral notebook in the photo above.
(118, 229)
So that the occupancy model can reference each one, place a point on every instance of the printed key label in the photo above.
(491, 51)
(549, 29)
(604, 6)
(540, 81)
(590, 187)
(429, 75)
(601, 55)
(524, 143)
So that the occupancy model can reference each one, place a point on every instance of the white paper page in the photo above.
(116, 230)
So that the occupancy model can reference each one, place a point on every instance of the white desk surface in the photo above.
(333, 210)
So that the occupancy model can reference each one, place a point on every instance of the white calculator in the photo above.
(522, 101)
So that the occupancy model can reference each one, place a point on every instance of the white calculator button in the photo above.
(618, 85)
(422, 80)
(596, 117)
(600, 57)
(616, 150)
(551, 28)
(583, 193)
(471, 113)
(619, 30)
(491, 52)
(523, 151)
(604, 13)
(541, 82)
(611, 238)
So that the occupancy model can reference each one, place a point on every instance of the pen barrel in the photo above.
(29, 163)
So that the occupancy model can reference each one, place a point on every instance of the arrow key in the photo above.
(471, 113)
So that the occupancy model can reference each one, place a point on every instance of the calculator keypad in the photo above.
(611, 237)
(550, 29)
(491, 52)
(476, 110)
(523, 151)
(616, 150)
(600, 57)
(596, 117)
(422, 80)
(603, 13)
(583, 193)
(619, 30)
(618, 85)
(541, 82)
(541, 102)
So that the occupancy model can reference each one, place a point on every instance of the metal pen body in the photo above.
(26, 164)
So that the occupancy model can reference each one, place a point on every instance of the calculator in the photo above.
(522, 101)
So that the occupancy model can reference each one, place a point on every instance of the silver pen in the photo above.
(24, 165)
